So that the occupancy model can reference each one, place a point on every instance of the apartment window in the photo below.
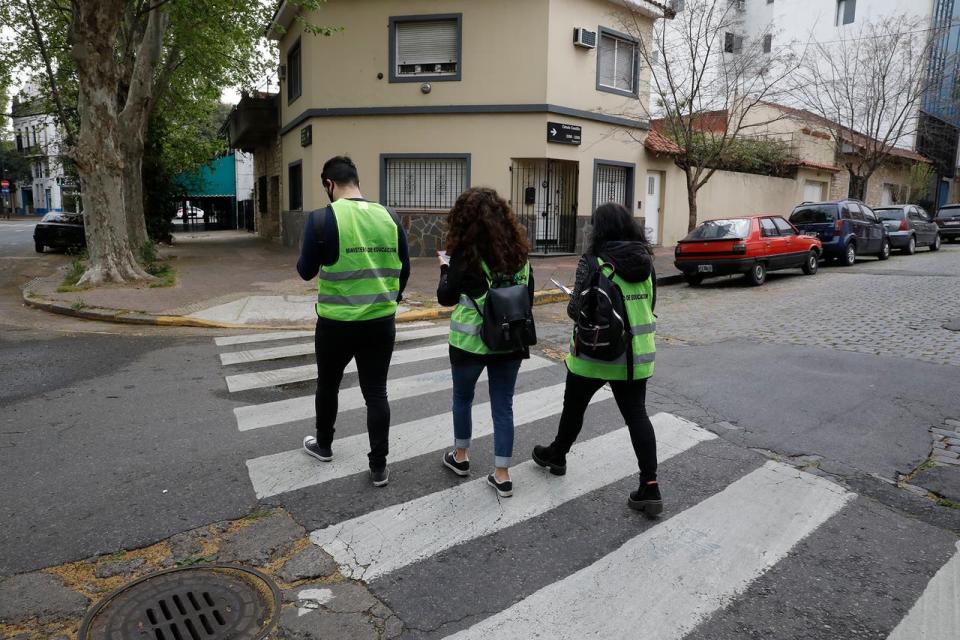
(262, 195)
(425, 47)
(732, 43)
(294, 73)
(617, 68)
(295, 185)
(612, 182)
(768, 43)
(19, 141)
(846, 11)
(423, 182)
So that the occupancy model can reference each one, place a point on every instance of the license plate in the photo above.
(705, 268)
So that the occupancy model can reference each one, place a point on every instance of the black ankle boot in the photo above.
(647, 498)
(547, 457)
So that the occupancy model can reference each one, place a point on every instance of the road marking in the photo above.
(301, 408)
(307, 348)
(225, 341)
(936, 614)
(290, 470)
(665, 581)
(428, 525)
(289, 375)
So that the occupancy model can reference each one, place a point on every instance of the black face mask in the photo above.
(329, 192)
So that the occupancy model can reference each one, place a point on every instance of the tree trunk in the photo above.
(691, 203)
(98, 150)
(133, 193)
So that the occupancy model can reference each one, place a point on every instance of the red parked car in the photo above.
(751, 245)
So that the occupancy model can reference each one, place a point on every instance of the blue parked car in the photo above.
(847, 228)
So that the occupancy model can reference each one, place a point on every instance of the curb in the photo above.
(123, 316)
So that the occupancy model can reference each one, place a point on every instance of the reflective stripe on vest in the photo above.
(364, 282)
(466, 321)
(643, 326)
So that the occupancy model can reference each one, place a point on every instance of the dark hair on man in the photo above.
(613, 221)
(341, 170)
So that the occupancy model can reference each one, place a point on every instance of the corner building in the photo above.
(430, 97)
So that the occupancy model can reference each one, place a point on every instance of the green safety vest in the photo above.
(643, 326)
(364, 282)
(466, 321)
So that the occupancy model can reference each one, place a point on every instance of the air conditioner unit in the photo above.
(282, 72)
(584, 38)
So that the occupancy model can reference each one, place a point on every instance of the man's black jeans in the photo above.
(371, 344)
(631, 398)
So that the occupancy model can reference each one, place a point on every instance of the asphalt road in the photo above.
(117, 437)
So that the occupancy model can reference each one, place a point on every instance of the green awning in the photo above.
(218, 179)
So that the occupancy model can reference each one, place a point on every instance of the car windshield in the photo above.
(948, 211)
(814, 214)
(736, 228)
(890, 214)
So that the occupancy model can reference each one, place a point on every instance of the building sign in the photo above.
(563, 133)
(306, 136)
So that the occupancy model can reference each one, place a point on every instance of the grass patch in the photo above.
(947, 502)
(74, 273)
(78, 305)
(152, 264)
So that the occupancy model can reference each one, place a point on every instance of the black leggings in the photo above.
(371, 344)
(631, 399)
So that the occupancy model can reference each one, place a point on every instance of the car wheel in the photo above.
(850, 255)
(38, 246)
(911, 247)
(936, 243)
(811, 264)
(757, 274)
(693, 281)
(885, 250)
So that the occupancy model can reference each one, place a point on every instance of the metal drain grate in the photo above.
(210, 602)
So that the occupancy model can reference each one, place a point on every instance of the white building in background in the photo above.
(38, 139)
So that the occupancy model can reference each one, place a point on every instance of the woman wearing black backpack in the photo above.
(487, 247)
(618, 251)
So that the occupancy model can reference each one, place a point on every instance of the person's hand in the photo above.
(444, 258)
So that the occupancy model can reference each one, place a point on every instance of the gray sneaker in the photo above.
(311, 447)
(380, 478)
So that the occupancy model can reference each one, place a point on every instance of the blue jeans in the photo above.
(502, 380)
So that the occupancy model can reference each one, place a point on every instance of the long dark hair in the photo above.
(482, 225)
(613, 221)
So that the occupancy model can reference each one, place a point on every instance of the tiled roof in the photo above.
(659, 143)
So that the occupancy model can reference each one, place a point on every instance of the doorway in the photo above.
(653, 207)
(543, 194)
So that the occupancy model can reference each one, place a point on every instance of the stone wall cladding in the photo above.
(291, 227)
(583, 234)
(266, 163)
(897, 173)
(426, 233)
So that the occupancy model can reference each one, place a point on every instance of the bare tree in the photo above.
(867, 86)
(707, 84)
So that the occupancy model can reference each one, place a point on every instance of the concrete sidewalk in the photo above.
(232, 279)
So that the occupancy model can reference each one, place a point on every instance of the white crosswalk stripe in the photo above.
(251, 338)
(363, 552)
(283, 411)
(689, 566)
(685, 567)
(291, 470)
(307, 348)
(290, 375)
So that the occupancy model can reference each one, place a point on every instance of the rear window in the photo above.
(735, 229)
(889, 214)
(68, 218)
(948, 211)
(814, 214)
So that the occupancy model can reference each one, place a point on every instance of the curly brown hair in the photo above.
(482, 225)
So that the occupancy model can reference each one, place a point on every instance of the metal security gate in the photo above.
(612, 184)
(544, 196)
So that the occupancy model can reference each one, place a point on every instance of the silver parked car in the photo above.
(909, 227)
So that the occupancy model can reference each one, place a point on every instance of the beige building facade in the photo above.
(430, 97)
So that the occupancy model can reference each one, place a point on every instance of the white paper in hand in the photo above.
(444, 258)
(566, 290)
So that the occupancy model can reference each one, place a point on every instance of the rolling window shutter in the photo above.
(849, 11)
(608, 61)
(625, 61)
(428, 42)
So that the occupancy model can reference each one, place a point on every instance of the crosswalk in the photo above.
(687, 567)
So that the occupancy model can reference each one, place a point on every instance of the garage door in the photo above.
(814, 191)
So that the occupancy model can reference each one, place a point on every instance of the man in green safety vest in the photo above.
(358, 251)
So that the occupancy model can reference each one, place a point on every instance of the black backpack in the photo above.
(507, 315)
(602, 329)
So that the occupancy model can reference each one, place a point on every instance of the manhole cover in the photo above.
(212, 602)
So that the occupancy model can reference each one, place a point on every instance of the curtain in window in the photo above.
(617, 62)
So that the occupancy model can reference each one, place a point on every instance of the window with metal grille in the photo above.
(424, 183)
(294, 76)
(262, 194)
(612, 183)
(617, 63)
(732, 43)
(768, 43)
(425, 47)
(295, 185)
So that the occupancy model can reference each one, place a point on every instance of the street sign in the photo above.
(4, 184)
(563, 133)
(4, 190)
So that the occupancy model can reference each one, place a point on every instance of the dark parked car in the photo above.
(909, 227)
(948, 219)
(751, 245)
(847, 228)
(59, 230)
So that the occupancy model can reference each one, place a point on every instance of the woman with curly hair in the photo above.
(486, 246)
